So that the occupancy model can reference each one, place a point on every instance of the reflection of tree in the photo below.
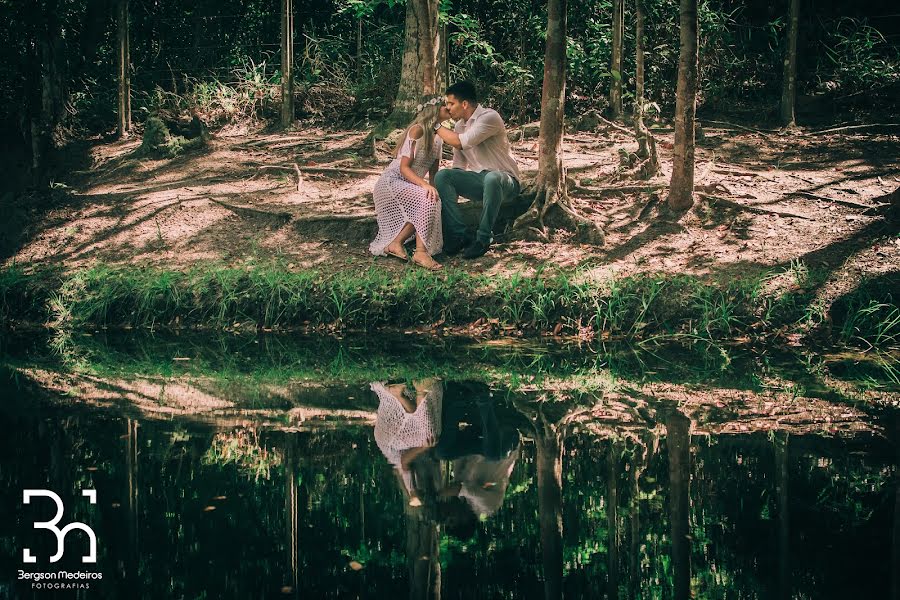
(549, 437)
(781, 491)
(291, 509)
(422, 554)
(679, 446)
(132, 461)
(612, 515)
(895, 546)
(642, 451)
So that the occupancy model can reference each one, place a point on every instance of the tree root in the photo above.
(297, 169)
(552, 206)
(752, 209)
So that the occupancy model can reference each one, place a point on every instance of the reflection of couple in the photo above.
(421, 426)
(484, 169)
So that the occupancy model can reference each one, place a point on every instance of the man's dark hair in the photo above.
(463, 90)
(458, 519)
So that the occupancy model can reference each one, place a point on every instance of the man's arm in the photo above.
(449, 137)
(488, 125)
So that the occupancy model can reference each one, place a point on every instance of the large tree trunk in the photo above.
(615, 67)
(287, 63)
(681, 188)
(423, 48)
(550, 185)
(46, 95)
(789, 84)
(123, 69)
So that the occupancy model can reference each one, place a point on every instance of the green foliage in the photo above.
(857, 57)
(158, 142)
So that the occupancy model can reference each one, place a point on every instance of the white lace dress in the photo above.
(397, 430)
(399, 201)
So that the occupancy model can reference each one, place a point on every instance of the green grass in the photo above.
(269, 296)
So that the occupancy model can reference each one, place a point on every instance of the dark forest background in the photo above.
(220, 60)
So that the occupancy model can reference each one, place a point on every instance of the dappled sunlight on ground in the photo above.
(223, 204)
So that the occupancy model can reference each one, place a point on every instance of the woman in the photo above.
(407, 204)
(407, 425)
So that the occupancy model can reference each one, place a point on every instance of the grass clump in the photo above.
(158, 141)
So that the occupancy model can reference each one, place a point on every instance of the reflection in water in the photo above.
(453, 461)
(678, 436)
(460, 494)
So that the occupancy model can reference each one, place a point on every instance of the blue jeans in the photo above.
(492, 188)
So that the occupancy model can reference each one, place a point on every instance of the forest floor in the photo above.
(802, 198)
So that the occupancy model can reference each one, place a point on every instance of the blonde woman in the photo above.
(405, 203)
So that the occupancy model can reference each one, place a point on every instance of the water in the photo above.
(244, 468)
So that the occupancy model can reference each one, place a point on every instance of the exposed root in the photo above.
(551, 206)
(753, 209)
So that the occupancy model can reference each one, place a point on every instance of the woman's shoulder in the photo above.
(416, 132)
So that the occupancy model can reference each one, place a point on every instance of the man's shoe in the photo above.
(478, 248)
(454, 246)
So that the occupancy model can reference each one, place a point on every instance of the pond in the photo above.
(271, 468)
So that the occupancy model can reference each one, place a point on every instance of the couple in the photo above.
(483, 169)
(426, 425)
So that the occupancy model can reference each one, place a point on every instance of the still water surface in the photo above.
(435, 487)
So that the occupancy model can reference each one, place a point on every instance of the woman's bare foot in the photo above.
(423, 259)
(397, 250)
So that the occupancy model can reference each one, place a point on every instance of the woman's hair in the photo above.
(427, 117)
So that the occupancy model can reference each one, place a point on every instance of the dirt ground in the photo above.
(806, 195)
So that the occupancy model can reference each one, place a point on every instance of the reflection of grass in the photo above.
(248, 363)
(241, 448)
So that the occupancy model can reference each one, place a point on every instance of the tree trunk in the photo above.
(679, 445)
(421, 72)
(287, 63)
(681, 188)
(123, 70)
(615, 67)
(646, 143)
(789, 84)
(359, 47)
(46, 96)
(550, 185)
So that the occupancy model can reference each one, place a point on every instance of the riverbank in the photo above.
(775, 305)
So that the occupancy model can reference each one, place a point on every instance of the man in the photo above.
(483, 169)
